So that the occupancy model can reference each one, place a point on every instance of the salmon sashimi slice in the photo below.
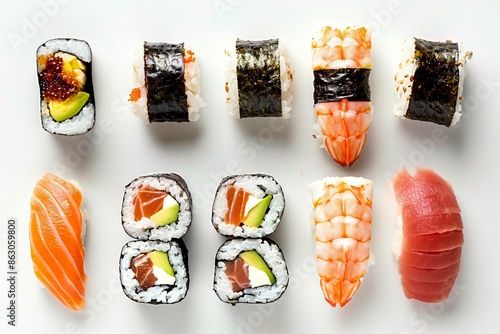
(342, 229)
(56, 239)
(430, 236)
(147, 201)
(236, 201)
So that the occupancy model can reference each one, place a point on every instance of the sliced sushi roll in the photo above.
(166, 83)
(248, 205)
(259, 79)
(154, 272)
(429, 235)
(341, 62)
(157, 207)
(429, 81)
(64, 67)
(250, 271)
(56, 233)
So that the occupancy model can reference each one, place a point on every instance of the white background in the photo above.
(121, 147)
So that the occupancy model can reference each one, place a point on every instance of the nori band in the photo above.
(259, 87)
(435, 82)
(332, 85)
(164, 73)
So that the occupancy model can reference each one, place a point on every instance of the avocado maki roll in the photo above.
(429, 81)
(248, 205)
(166, 85)
(154, 272)
(258, 79)
(64, 67)
(157, 207)
(250, 271)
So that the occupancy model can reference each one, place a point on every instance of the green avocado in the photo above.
(255, 260)
(62, 110)
(166, 215)
(160, 259)
(256, 214)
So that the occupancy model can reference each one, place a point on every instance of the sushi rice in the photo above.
(286, 80)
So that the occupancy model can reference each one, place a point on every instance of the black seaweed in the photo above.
(184, 253)
(165, 84)
(259, 87)
(88, 88)
(435, 83)
(332, 85)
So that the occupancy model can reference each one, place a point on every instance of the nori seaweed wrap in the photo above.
(429, 81)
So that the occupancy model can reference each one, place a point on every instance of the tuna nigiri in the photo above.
(342, 227)
(429, 239)
(341, 61)
(56, 233)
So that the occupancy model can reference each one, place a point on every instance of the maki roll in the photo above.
(341, 62)
(250, 271)
(259, 79)
(166, 83)
(248, 205)
(154, 272)
(157, 207)
(429, 81)
(64, 67)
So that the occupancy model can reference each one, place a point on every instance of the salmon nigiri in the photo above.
(56, 239)
(429, 239)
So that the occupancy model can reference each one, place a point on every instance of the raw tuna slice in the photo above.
(429, 239)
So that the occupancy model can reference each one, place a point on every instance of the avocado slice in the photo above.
(256, 214)
(168, 214)
(160, 259)
(62, 110)
(253, 258)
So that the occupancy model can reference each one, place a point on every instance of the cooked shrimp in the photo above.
(343, 120)
(348, 48)
(342, 228)
(343, 128)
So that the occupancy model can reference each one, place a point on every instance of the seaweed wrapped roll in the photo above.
(250, 271)
(166, 83)
(64, 67)
(259, 79)
(248, 205)
(157, 207)
(154, 272)
(429, 81)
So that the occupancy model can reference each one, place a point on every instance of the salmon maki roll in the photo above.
(342, 220)
(429, 237)
(56, 239)
(341, 62)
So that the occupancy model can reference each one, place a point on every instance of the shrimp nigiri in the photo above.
(341, 61)
(342, 229)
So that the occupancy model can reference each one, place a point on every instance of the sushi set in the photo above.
(205, 247)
